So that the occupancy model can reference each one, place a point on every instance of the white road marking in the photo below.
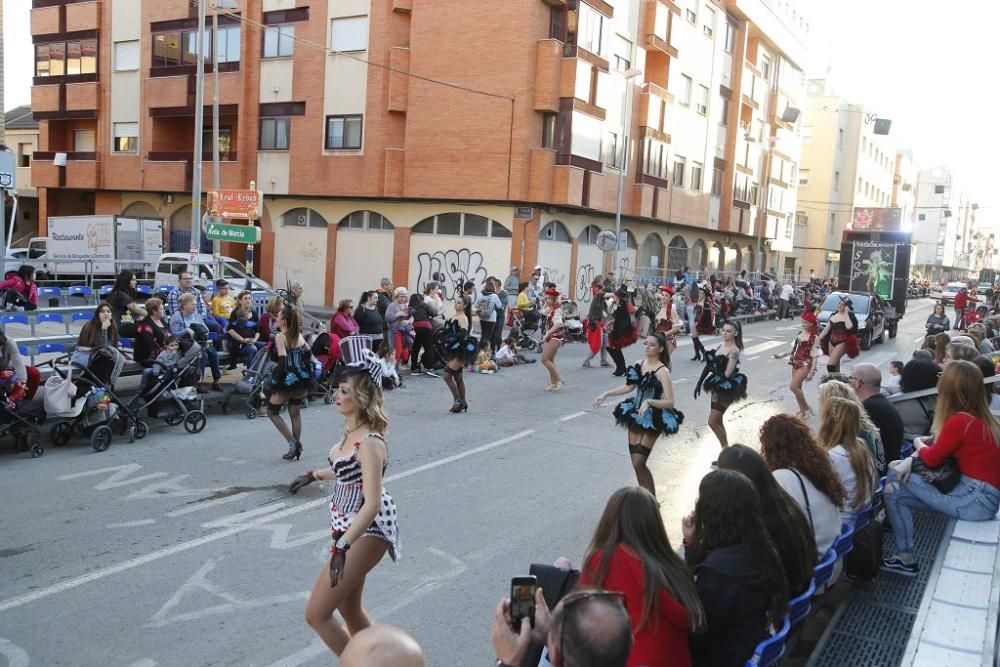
(919, 340)
(132, 524)
(197, 507)
(680, 380)
(762, 347)
(16, 656)
(119, 476)
(240, 518)
(753, 358)
(145, 662)
(159, 554)
(572, 416)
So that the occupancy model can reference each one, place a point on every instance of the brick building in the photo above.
(404, 137)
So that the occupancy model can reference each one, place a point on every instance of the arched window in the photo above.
(630, 241)
(589, 235)
(720, 258)
(652, 247)
(461, 224)
(554, 231)
(365, 220)
(677, 254)
(303, 217)
(140, 209)
(749, 259)
(699, 255)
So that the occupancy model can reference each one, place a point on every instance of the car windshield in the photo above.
(860, 302)
(953, 289)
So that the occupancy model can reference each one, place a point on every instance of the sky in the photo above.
(926, 64)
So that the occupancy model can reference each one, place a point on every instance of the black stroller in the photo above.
(250, 389)
(23, 422)
(172, 393)
(529, 326)
(328, 356)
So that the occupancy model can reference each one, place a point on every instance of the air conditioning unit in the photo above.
(702, 109)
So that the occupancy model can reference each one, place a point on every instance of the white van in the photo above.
(205, 268)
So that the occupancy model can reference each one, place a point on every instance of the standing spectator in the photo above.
(511, 284)
(384, 293)
(369, 317)
(269, 318)
(397, 321)
(23, 283)
(784, 309)
(623, 332)
(867, 382)
(423, 338)
(961, 300)
(343, 323)
(597, 333)
(435, 306)
(497, 339)
(487, 305)
(295, 290)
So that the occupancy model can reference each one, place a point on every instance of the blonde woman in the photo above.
(839, 429)
(553, 339)
(965, 431)
(362, 513)
(867, 431)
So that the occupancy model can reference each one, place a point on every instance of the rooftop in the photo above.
(20, 118)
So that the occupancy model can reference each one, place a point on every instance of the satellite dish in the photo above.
(606, 240)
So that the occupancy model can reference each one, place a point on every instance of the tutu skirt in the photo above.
(732, 389)
(653, 420)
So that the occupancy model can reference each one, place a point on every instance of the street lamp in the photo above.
(224, 5)
(630, 74)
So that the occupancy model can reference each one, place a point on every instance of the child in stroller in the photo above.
(528, 324)
(169, 388)
(20, 416)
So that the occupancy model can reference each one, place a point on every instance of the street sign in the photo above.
(8, 170)
(217, 231)
(236, 204)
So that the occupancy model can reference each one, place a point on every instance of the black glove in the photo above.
(299, 482)
(697, 391)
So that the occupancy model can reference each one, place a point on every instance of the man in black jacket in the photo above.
(384, 295)
(867, 382)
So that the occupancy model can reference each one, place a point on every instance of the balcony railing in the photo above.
(80, 171)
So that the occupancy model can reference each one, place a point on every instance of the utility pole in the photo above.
(199, 128)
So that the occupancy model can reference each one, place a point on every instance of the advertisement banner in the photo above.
(873, 265)
(876, 220)
(89, 238)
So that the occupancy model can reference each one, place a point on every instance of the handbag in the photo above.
(944, 477)
(865, 559)
(59, 392)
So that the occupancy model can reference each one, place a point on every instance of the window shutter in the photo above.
(126, 56)
(349, 34)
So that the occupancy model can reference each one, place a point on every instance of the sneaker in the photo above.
(431, 374)
(896, 564)
(416, 371)
(586, 364)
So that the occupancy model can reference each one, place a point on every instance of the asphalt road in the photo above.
(187, 550)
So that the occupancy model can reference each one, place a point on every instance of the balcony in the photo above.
(44, 20)
(172, 170)
(174, 91)
(45, 99)
(81, 171)
(402, 6)
(83, 16)
(654, 103)
(82, 96)
(549, 69)
(656, 26)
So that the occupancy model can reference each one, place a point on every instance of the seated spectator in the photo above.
(123, 304)
(739, 576)
(979, 334)
(10, 359)
(957, 350)
(508, 354)
(484, 360)
(150, 333)
(916, 414)
(785, 521)
(867, 382)
(222, 304)
(24, 291)
(941, 342)
(890, 385)
(268, 325)
(989, 369)
(596, 632)
(965, 431)
(804, 471)
(868, 432)
(343, 323)
(390, 368)
(187, 325)
(99, 331)
(630, 553)
(839, 435)
(382, 646)
(242, 329)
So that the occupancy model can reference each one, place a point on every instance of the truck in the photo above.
(878, 262)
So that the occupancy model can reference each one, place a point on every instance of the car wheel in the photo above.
(866, 341)
(881, 336)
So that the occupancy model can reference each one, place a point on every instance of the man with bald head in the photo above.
(382, 646)
(867, 382)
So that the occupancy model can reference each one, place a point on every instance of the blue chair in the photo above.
(49, 293)
(126, 343)
(23, 350)
(105, 290)
(906, 449)
(46, 348)
(824, 570)
(81, 316)
(769, 651)
(801, 605)
(863, 517)
(84, 291)
(145, 290)
(163, 289)
(14, 319)
(843, 544)
(42, 318)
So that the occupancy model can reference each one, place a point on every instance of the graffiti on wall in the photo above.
(584, 278)
(625, 268)
(457, 267)
(555, 275)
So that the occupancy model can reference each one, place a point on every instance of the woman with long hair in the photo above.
(461, 349)
(552, 339)
(803, 470)
(291, 380)
(630, 553)
(362, 513)
(965, 431)
(597, 331)
(243, 331)
(867, 430)
(937, 321)
(269, 318)
(124, 308)
(839, 435)
(624, 331)
(704, 320)
(803, 361)
(722, 378)
(840, 336)
(785, 521)
(650, 413)
(941, 342)
(370, 321)
(99, 331)
(740, 577)
(23, 283)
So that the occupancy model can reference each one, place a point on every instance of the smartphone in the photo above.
(522, 600)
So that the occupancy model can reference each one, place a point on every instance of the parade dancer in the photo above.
(597, 333)
(803, 361)
(840, 337)
(624, 331)
(650, 413)
(555, 336)
(461, 350)
(704, 320)
(362, 514)
(722, 378)
(668, 320)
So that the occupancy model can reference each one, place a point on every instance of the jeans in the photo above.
(971, 500)
(212, 356)
(486, 332)
(690, 318)
(603, 350)
(422, 339)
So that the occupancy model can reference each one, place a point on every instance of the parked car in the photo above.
(949, 292)
(935, 291)
(868, 308)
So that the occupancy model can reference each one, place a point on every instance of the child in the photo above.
(390, 372)
(484, 361)
(891, 384)
(168, 356)
(508, 355)
(222, 304)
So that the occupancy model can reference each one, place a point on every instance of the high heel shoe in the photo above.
(294, 452)
(696, 357)
(459, 406)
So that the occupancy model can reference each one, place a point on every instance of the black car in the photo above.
(868, 308)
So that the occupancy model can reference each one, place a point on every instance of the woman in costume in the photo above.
(840, 336)
(623, 332)
(554, 337)
(668, 319)
(597, 333)
(803, 361)
(461, 349)
(704, 320)
(650, 412)
(722, 378)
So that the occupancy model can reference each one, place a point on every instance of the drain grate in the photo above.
(844, 649)
(873, 621)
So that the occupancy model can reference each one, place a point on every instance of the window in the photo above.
(836, 181)
(686, 87)
(690, 16)
(24, 152)
(611, 151)
(555, 231)
(921, 216)
(655, 159)
(696, 172)
(861, 185)
(789, 229)
(833, 222)
(804, 177)
(622, 51)
(730, 41)
(126, 137)
(765, 66)
(592, 30)
(225, 142)
(279, 41)
(343, 131)
(723, 111)
(127, 56)
(227, 44)
(680, 163)
(549, 129)
(83, 141)
(66, 58)
(303, 217)
(349, 34)
(717, 182)
(275, 133)
(708, 25)
(864, 144)
(476, 225)
(703, 100)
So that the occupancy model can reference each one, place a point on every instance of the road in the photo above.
(187, 550)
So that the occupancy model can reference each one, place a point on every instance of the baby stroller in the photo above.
(529, 326)
(572, 323)
(251, 388)
(326, 350)
(172, 393)
(20, 416)
(96, 411)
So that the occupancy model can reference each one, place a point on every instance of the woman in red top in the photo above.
(963, 430)
(630, 553)
(343, 323)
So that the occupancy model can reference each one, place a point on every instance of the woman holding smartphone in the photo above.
(362, 513)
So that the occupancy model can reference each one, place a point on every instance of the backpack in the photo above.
(484, 307)
(865, 559)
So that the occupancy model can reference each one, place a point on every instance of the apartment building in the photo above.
(845, 165)
(936, 232)
(904, 188)
(22, 139)
(385, 147)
